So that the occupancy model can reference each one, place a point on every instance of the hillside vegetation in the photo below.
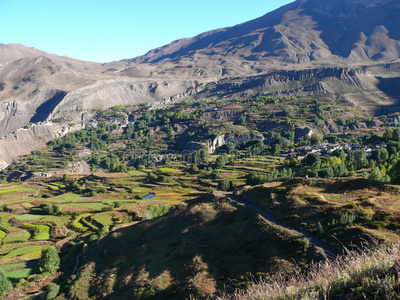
(130, 202)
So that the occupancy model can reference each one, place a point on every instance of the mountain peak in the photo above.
(305, 32)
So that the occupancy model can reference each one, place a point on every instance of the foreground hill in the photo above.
(194, 249)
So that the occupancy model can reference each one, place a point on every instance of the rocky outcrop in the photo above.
(23, 141)
(296, 82)
(104, 94)
(235, 140)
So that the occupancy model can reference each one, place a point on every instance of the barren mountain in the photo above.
(11, 52)
(338, 48)
(300, 34)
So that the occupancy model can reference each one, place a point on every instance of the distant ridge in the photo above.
(11, 52)
(302, 32)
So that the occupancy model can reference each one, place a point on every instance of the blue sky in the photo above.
(107, 30)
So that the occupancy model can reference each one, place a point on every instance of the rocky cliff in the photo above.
(295, 82)
(23, 141)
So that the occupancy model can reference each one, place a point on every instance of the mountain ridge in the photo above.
(277, 54)
(301, 32)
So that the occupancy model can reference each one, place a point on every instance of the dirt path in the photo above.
(325, 249)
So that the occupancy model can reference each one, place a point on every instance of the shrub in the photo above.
(253, 178)
(104, 230)
(154, 211)
(93, 238)
(161, 178)
(71, 233)
(320, 228)
(347, 219)
(45, 209)
(304, 243)
(117, 204)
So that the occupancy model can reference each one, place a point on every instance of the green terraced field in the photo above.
(4, 223)
(18, 274)
(44, 231)
(137, 173)
(95, 205)
(17, 237)
(9, 191)
(59, 220)
(2, 235)
(77, 222)
(104, 218)
(27, 252)
(29, 217)
(66, 198)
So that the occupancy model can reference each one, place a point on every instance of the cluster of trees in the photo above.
(199, 156)
(111, 162)
(152, 177)
(226, 185)
(46, 209)
(347, 122)
(96, 138)
(253, 178)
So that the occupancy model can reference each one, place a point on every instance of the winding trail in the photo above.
(322, 246)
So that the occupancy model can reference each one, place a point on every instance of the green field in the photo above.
(29, 217)
(104, 218)
(17, 237)
(4, 223)
(28, 252)
(18, 274)
(2, 235)
(78, 224)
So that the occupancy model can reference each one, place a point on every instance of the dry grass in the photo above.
(356, 273)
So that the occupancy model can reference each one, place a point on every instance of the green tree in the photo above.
(65, 178)
(221, 161)
(5, 284)
(117, 204)
(326, 172)
(52, 291)
(276, 148)
(315, 139)
(253, 178)
(226, 185)
(215, 174)
(242, 120)
(375, 174)
(223, 184)
(49, 260)
(194, 169)
(162, 178)
(203, 155)
(313, 160)
(152, 177)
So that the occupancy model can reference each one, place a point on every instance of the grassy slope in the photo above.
(193, 250)
(367, 274)
(303, 203)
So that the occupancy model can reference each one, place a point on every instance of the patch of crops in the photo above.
(25, 252)
(28, 217)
